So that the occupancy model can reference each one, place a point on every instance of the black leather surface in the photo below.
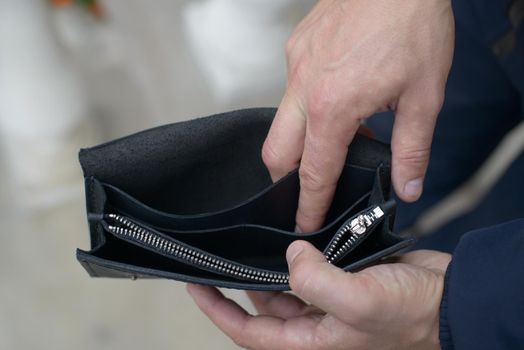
(203, 183)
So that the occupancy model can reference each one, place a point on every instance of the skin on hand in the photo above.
(388, 306)
(347, 60)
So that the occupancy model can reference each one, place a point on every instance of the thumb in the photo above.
(324, 285)
(411, 146)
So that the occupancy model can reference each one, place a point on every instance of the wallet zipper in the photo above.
(173, 248)
(351, 234)
(347, 238)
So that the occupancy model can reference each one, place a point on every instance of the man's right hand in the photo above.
(347, 60)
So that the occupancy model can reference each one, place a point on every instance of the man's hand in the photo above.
(389, 306)
(347, 60)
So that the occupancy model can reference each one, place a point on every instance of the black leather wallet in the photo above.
(193, 201)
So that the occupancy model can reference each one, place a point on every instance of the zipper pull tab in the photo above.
(355, 230)
(360, 224)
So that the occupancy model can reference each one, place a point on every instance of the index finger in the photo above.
(325, 151)
(254, 332)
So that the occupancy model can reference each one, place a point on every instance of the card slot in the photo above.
(261, 259)
(358, 205)
(258, 259)
(256, 246)
(274, 207)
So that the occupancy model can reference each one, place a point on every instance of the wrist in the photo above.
(427, 331)
(445, 340)
(433, 339)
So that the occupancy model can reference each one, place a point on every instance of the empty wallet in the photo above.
(192, 201)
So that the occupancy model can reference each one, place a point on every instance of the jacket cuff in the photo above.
(446, 340)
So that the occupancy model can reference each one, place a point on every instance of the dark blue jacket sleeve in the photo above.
(483, 302)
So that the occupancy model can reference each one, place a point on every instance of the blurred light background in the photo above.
(77, 73)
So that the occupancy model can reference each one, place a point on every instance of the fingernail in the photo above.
(298, 229)
(293, 251)
(413, 188)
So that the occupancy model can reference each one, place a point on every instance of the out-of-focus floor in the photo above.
(48, 301)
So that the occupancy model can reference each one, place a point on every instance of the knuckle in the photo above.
(271, 157)
(240, 340)
(297, 70)
(290, 46)
(434, 103)
(429, 106)
(321, 101)
(300, 278)
(311, 180)
(327, 106)
(394, 77)
(412, 156)
(302, 65)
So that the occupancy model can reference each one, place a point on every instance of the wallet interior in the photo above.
(193, 201)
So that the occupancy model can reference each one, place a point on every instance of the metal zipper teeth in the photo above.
(358, 227)
(350, 243)
(169, 247)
